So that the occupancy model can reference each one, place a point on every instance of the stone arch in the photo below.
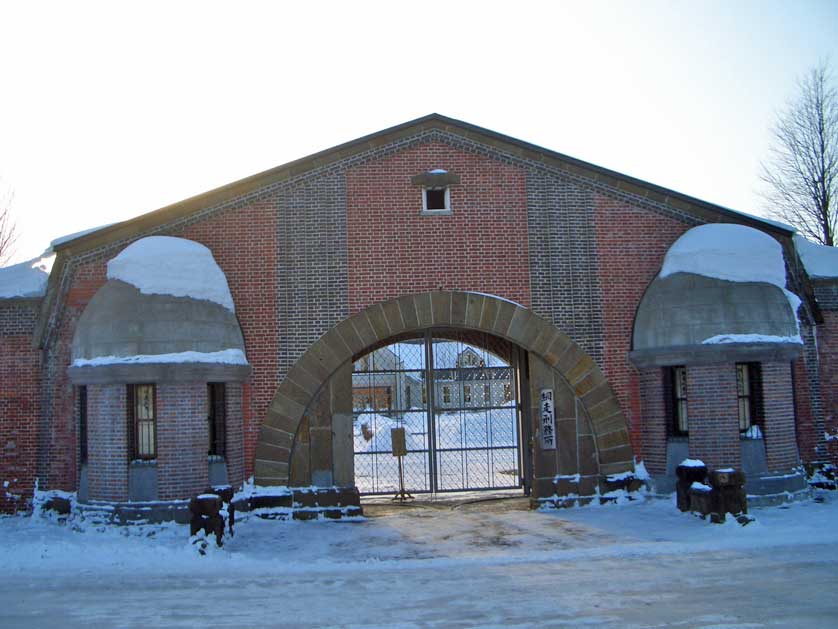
(452, 309)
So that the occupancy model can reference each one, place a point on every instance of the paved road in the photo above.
(792, 587)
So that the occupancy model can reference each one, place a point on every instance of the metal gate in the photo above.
(458, 403)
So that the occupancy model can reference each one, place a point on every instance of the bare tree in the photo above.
(802, 169)
(8, 228)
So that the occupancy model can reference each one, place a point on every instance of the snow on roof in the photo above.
(64, 239)
(820, 261)
(163, 265)
(27, 279)
(728, 252)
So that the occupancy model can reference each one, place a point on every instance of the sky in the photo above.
(110, 110)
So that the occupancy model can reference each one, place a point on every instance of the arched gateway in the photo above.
(307, 436)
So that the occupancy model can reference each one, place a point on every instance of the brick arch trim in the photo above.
(412, 313)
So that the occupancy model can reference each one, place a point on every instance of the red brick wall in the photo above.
(58, 451)
(654, 420)
(631, 245)
(107, 442)
(780, 438)
(713, 415)
(807, 432)
(19, 412)
(243, 242)
(393, 250)
(182, 440)
(235, 435)
(828, 348)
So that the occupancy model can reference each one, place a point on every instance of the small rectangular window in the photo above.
(487, 394)
(143, 421)
(677, 393)
(466, 393)
(436, 200)
(446, 394)
(407, 393)
(507, 392)
(217, 418)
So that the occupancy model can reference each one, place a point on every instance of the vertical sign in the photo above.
(548, 420)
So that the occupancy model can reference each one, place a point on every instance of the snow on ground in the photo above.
(820, 261)
(164, 265)
(227, 357)
(453, 562)
(26, 279)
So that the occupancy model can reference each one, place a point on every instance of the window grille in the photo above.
(142, 421)
(217, 418)
(677, 387)
(749, 398)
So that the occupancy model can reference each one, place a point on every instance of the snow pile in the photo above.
(27, 279)
(226, 357)
(163, 265)
(700, 486)
(728, 252)
(820, 261)
(692, 463)
(751, 338)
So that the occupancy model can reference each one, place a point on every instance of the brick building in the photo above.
(435, 230)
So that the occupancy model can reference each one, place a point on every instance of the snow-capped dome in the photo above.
(720, 286)
(166, 301)
(728, 252)
(163, 265)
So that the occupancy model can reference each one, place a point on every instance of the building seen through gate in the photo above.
(458, 405)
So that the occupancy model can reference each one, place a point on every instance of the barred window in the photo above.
(217, 418)
(677, 394)
(142, 421)
(446, 394)
(466, 393)
(749, 397)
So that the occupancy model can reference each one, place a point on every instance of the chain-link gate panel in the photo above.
(457, 403)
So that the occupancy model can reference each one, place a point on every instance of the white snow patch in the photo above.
(163, 265)
(692, 463)
(64, 239)
(753, 432)
(728, 252)
(497, 297)
(828, 437)
(26, 279)
(226, 356)
(573, 478)
(820, 261)
(640, 471)
(751, 338)
(700, 486)
(438, 171)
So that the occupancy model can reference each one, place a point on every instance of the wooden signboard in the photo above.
(399, 442)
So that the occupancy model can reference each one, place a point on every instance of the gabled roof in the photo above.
(559, 161)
